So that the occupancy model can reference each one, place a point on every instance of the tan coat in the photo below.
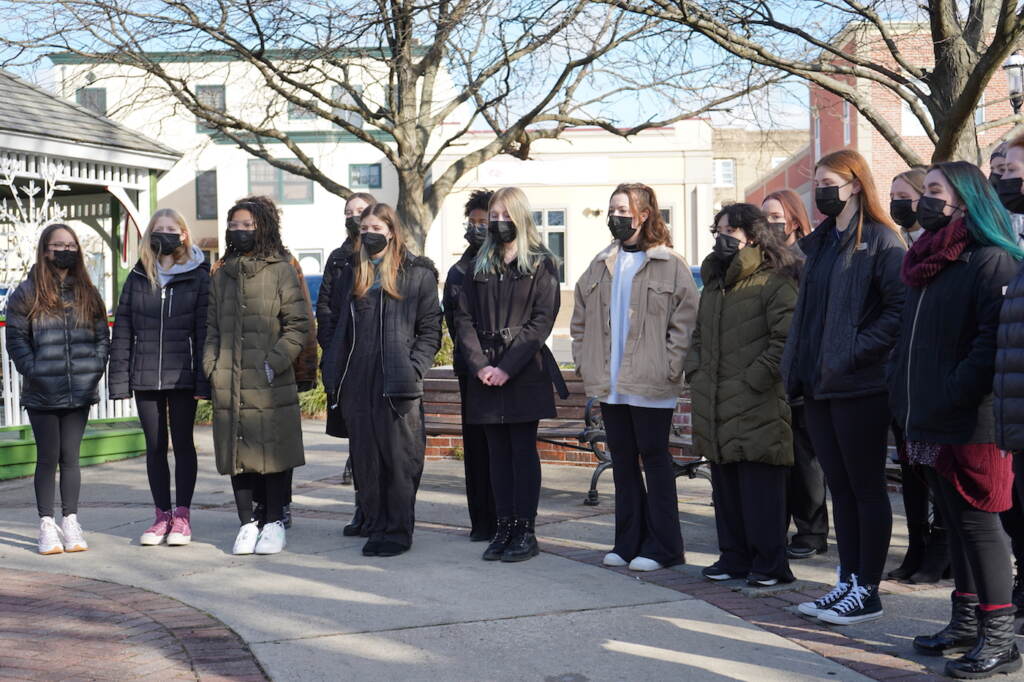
(663, 310)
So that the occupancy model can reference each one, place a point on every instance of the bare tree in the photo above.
(26, 209)
(412, 79)
(840, 44)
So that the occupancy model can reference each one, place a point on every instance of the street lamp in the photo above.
(1014, 68)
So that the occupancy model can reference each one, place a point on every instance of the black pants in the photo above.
(476, 460)
(978, 550)
(750, 516)
(850, 438)
(58, 435)
(515, 468)
(156, 409)
(805, 492)
(1013, 518)
(646, 516)
(272, 488)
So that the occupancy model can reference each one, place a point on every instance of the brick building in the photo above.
(835, 124)
(742, 156)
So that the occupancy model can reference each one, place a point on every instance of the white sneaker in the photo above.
(272, 538)
(644, 564)
(49, 537)
(613, 559)
(245, 541)
(74, 538)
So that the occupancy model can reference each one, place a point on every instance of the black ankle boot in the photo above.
(918, 542)
(996, 651)
(961, 634)
(936, 559)
(502, 536)
(523, 545)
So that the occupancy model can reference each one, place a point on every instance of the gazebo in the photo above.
(107, 176)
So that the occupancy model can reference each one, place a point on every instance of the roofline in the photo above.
(29, 143)
(227, 55)
(783, 167)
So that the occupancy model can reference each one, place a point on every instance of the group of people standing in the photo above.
(803, 350)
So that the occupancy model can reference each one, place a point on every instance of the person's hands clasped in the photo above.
(492, 376)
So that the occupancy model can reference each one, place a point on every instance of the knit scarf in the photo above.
(932, 252)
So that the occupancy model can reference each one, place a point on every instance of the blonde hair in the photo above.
(529, 245)
(913, 177)
(149, 257)
(392, 258)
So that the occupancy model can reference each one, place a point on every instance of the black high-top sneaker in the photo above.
(827, 600)
(961, 634)
(860, 604)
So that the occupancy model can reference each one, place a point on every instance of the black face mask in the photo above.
(352, 226)
(779, 229)
(994, 179)
(374, 242)
(726, 248)
(503, 231)
(163, 243)
(241, 241)
(65, 259)
(476, 234)
(621, 227)
(1009, 194)
(828, 202)
(902, 211)
(930, 215)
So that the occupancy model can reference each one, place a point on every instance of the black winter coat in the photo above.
(326, 316)
(411, 334)
(865, 301)
(508, 332)
(941, 369)
(1008, 385)
(450, 303)
(159, 334)
(61, 359)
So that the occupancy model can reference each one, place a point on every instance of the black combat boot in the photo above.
(523, 545)
(500, 541)
(961, 634)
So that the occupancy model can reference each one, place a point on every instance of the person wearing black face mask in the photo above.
(739, 423)
(327, 319)
(475, 457)
(374, 368)
(159, 324)
(630, 355)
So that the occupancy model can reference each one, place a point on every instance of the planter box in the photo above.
(105, 440)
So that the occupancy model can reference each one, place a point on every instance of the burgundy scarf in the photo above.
(932, 252)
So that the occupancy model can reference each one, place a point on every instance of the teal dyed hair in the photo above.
(988, 222)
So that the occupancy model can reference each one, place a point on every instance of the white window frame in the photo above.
(847, 123)
(545, 230)
(719, 166)
(817, 137)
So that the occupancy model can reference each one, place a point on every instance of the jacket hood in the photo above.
(250, 265)
(746, 262)
(195, 259)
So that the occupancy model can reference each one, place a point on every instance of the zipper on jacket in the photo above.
(170, 304)
(160, 347)
(910, 357)
(348, 360)
(67, 350)
(191, 354)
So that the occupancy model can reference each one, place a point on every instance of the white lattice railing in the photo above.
(13, 414)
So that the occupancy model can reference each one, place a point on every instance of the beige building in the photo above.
(742, 156)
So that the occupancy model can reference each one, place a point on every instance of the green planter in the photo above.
(105, 440)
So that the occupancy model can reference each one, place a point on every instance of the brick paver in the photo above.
(65, 627)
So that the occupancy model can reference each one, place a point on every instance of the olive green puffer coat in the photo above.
(257, 315)
(740, 413)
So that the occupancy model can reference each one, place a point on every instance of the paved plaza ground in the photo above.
(322, 611)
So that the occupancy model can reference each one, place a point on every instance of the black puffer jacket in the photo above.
(941, 369)
(862, 319)
(411, 335)
(159, 334)
(503, 321)
(326, 316)
(1008, 384)
(60, 358)
(450, 303)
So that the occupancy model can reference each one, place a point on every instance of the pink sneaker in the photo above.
(157, 533)
(181, 529)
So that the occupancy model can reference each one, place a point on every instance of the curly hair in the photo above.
(267, 217)
(751, 220)
(479, 200)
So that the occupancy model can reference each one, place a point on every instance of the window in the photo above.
(311, 260)
(551, 225)
(778, 161)
(666, 215)
(343, 96)
(725, 173)
(93, 99)
(817, 138)
(364, 176)
(847, 123)
(910, 124)
(979, 111)
(212, 97)
(299, 113)
(206, 195)
(280, 185)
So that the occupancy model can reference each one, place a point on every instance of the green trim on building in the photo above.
(105, 440)
(306, 137)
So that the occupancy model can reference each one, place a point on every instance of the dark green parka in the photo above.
(257, 314)
(740, 413)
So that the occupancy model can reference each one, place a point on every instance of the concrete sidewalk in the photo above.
(321, 610)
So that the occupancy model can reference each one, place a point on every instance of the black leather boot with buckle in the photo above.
(996, 651)
(502, 536)
(961, 634)
(523, 545)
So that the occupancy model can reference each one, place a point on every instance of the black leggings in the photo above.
(272, 488)
(978, 549)
(154, 409)
(58, 435)
(850, 438)
(515, 469)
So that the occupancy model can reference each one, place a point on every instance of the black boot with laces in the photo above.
(523, 544)
(502, 536)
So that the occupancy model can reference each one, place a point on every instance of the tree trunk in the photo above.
(412, 210)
